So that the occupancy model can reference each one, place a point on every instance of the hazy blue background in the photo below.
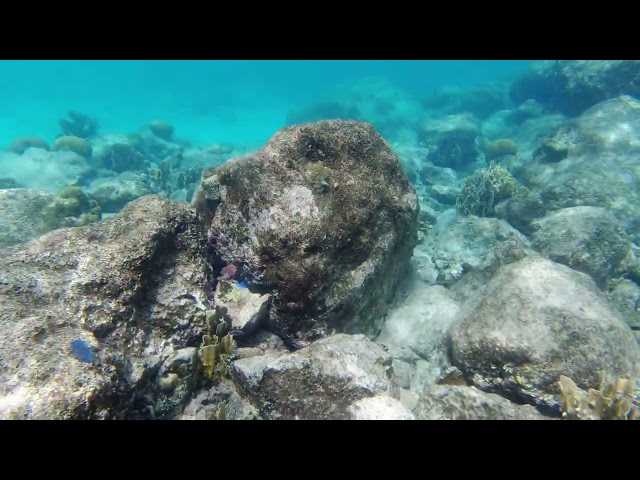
(241, 101)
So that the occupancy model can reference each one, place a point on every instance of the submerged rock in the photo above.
(321, 381)
(602, 166)
(537, 320)
(381, 407)
(114, 193)
(587, 239)
(323, 219)
(133, 288)
(451, 141)
(452, 402)
(23, 215)
(457, 244)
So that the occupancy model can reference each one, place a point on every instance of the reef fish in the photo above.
(81, 351)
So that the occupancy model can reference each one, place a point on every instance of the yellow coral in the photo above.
(74, 144)
(613, 402)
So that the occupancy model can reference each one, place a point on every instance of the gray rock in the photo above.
(537, 320)
(416, 334)
(625, 297)
(23, 215)
(451, 141)
(320, 381)
(420, 320)
(156, 148)
(588, 239)
(444, 194)
(380, 407)
(114, 193)
(133, 288)
(220, 402)
(457, 244)
(322, 218)
(450, 402)
(240, 309)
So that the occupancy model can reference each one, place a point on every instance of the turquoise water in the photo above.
(241, 102)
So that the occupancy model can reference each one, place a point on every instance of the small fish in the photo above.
(81, 351)
(242, 284)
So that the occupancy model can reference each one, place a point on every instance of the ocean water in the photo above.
(241, 102)
(505, 282)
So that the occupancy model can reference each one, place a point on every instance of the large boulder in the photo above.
(133, 289)
(537, 320)
(322, 218)
(322, 381)
(458, 402)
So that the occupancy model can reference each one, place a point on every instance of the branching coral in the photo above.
(612, 402)
(78, 125)
(215, 352)
(484, 189)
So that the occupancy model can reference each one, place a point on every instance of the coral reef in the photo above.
(162, 129)
(21, 144)
(74, 144)
(484, 190)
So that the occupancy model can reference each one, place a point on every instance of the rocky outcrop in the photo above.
(326, 380)
(454, 402)
(537, 320)
(322, 218)
(133, 289)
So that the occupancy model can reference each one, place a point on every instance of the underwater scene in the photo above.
(320, 239)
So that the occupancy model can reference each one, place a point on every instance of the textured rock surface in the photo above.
(23, 215)
(320, 381)
(419, 320)
(381, 407)
(323, 218)
(451, 402)
(625, 297)
(457, 244)
(601, 168)
(587, 239)
(130, 287)
(114, 193)
(572, 86)
(451, 141)
(537, 320)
